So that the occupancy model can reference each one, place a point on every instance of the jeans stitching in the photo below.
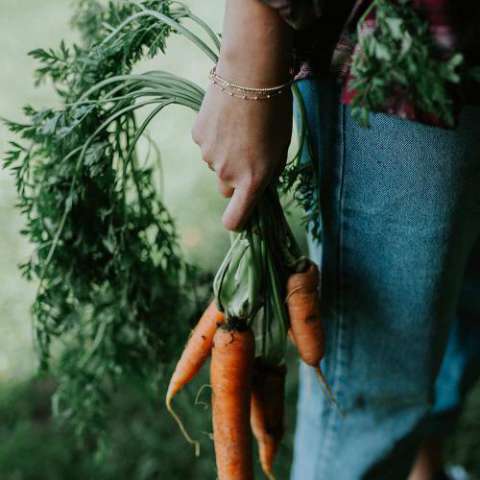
(338, 363)
(338, 379)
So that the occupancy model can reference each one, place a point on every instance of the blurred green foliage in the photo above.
(146, 443)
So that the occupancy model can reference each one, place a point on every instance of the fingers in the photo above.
(239, 184)
(239, 207)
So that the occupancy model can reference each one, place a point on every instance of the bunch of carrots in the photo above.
(265, 291)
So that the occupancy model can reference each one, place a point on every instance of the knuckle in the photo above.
(206, 152)
(222, 172)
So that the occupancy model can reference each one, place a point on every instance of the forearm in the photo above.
(256, 46)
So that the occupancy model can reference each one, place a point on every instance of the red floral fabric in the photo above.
(325, 41)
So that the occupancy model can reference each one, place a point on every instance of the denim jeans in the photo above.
(400, 296)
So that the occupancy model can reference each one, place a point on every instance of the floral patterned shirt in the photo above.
(325, 41)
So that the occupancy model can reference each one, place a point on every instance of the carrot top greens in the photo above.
(114, 289)
(113, 286)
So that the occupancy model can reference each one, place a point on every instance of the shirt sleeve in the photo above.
(298, 13)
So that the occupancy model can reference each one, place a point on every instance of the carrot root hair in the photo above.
(197, 396)
(176, 417)
(297, 289)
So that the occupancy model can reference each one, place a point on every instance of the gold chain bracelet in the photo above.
(247, 93)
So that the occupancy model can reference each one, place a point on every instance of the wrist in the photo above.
(254, 71)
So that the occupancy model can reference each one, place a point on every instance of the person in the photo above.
(400, 213)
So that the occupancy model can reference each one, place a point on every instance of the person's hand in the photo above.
(245, 142)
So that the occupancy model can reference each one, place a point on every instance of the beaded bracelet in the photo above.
(247, 93)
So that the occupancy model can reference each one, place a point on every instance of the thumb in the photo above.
(239, 207)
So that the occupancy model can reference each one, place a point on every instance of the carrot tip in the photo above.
(188, 438)
(328, 391)
(268, 473)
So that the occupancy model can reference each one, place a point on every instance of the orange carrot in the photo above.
(306, 330)
(267, 411)
(196, 351)
(304, 312)
(231, 380)
(194, 355)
